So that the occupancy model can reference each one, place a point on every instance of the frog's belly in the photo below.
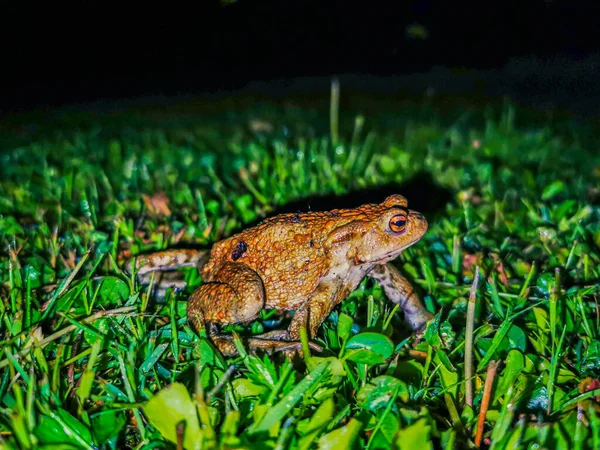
(290, 293)
(292, 289)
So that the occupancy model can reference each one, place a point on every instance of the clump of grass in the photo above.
(88, 361)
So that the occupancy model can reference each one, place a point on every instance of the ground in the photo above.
(91, 361)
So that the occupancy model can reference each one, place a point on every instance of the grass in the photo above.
(90, 361)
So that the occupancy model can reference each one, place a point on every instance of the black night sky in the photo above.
(57, 55)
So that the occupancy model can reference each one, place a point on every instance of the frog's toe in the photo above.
(315, 347)
(276, 346)
(297, 346)
(295, 353)
(418, 320)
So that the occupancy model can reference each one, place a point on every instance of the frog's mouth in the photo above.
(396, 252)
(387, 257)
(393, 255)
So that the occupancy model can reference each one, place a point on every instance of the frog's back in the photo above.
(286, 251)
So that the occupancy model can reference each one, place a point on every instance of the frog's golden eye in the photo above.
(398, 223)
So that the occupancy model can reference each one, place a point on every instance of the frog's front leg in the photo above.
(399, 290)
(312, 314)
(235, 295)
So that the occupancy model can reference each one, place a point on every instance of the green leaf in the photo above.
(229, 429)
(10, 226)
(369, 348)
(245, 388)
(108, 425)
(515, 437)
(378, 392)
(387, 164)
(386, 429)
(319, 420)
(415, 436)
(448, 439)
(448, 377)
(538, 399)
(153, 358)
(432, 332)
(276, 413)
(86, 384)
(322, 415)
(341, 438)
(344, 327)
(517, 338)
(63, 428)
(171, 406)
(500, 334)
(514, 365)
(113, 291)
(553, 189)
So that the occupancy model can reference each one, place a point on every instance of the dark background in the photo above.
(57, 54)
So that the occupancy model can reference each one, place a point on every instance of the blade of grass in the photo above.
(485, 401)
(554, 369)
(469, 339)
(278, 411)
(68, 329)
(65, 284)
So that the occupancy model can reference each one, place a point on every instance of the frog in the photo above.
(307, 263)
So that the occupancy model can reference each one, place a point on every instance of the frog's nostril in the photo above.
(420, 217)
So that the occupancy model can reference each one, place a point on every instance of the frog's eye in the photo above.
(398, 223)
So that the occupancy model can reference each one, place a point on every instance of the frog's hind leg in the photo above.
(399, 290)
(167, 260)
(235, 295)
(159, 268)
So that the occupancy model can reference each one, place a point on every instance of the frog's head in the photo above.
(383, 231)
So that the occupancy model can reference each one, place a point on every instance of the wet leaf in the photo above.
(344, 327)
(378, 392)
(415, 436)
(276, 413)
(170, 407)
(113, 291)
(319, 420)
(343, 437)
(387, 427)
(369, 348)
(514, 365)
(245, 388)
(107, 425)
(63, 428)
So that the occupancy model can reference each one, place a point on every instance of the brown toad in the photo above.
(303, 262)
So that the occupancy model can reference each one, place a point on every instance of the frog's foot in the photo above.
(284, 336)
(161, 282)
(261, 343)
(159, 290)
(419, 320)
